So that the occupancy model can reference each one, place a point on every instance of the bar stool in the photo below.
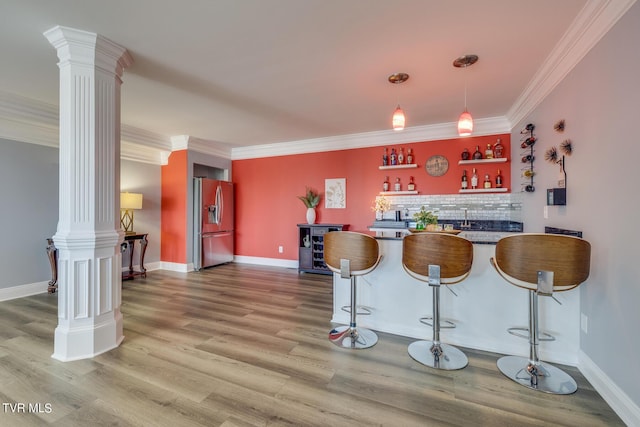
(351, 254)
(542, 264)
(437, 259)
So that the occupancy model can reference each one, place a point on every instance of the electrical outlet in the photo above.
(584, 323)
(280, 249)
(545, 213)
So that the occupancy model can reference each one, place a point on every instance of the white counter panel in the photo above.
(485, 307)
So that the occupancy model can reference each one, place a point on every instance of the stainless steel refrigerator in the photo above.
(213, 222)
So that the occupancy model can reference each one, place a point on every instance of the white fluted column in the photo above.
(88, 236)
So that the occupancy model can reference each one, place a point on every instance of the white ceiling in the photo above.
(246, 72)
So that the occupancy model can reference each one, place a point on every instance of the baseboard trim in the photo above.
(274, 262)
(619, 401)
(174, 266)
(21, 291)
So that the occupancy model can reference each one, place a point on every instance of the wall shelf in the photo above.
(471, 162)
(485, 190)
(405, 166)
(397, 193)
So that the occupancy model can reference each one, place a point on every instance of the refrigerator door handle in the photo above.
(219, 204)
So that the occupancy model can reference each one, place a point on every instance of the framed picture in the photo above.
(335, 193)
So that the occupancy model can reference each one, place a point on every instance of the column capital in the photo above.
(85, 48)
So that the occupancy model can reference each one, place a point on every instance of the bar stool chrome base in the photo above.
(350, 337)
(441, 356)
(541, 376)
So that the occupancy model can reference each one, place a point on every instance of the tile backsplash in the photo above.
(481, 206)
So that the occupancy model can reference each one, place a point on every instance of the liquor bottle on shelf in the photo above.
(465, 154)
(474, 179)
(394, 157)
(411, 185)
(465, 183)
(385, 184)
(397, 186)
(498, 149)
(409, 156)
(498, 179)
(477, 155)
(488, 153)
(487, 181)
(385, 157)
(401, 156)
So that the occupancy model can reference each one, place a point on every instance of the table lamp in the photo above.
(128, 203)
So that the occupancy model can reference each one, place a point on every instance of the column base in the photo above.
(87, 341)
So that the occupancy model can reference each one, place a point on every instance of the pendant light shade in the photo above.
(398, 115)
(398, 118)
(465, 121)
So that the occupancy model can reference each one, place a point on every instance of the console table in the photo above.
(129, 243)
(52, 254)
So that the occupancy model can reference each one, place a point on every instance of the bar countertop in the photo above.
(479, 232)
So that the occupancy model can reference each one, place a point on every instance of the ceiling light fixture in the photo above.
(398, 114)
(465, 122)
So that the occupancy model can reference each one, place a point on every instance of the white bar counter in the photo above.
(485, 307)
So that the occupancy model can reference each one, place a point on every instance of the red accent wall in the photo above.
(267, 209)
(174, 208)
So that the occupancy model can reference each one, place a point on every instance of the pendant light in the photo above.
(465, 122)
(398, 115)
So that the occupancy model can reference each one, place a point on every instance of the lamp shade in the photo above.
(465, 123)
(130, 201)
(398, 119)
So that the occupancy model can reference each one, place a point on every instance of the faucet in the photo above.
(465, 223)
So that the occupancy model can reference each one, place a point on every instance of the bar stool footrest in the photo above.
(543, 336)
(365, 311)
(444, 324)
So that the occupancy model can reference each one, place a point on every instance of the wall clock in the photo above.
(437, 165)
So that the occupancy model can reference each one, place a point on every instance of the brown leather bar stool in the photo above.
(542, 264)
(437, 259)
(351, 254)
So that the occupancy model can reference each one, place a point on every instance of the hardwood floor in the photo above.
(242, 345)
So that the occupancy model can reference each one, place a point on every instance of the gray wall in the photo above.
(29, 212)
(144, 178)
(599, 101)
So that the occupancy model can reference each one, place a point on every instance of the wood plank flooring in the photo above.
(241, 345)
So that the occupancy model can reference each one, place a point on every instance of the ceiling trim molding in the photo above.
(592, 23)
(28, 120)
(489, 126)
(204, 146)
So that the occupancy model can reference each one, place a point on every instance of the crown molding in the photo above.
(488, 126)
(594, 20)
(27, 120)
(204, 146)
